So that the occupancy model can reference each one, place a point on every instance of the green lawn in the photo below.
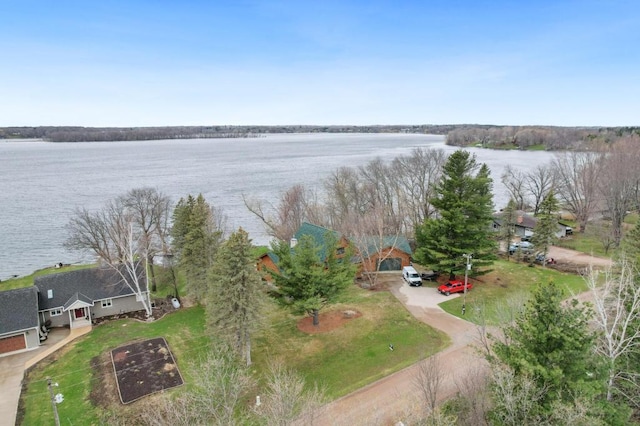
(72, 370)
(356, 354)
(342, 360)
(491, 292)
(27, 280)
(584, 243)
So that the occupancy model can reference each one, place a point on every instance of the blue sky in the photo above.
(154, 63)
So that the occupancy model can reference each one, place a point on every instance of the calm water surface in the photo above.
(42, 183)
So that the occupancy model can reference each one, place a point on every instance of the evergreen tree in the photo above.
(552, 344)
(507, 229)
(545, 230)
(464, 206)
(312, 276)
(235, 298)
(195, 241)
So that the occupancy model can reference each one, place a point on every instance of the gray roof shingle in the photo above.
(94, 284)
(18, 309)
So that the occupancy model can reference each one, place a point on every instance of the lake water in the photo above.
(42, 183)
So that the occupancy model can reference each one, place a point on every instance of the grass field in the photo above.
(509, 279)
(357, 353)
(341, 360)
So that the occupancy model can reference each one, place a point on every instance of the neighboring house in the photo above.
(391, 252)
(71, 299)
(525, 224)
(75, 298)
(19, 325)
(268, 263)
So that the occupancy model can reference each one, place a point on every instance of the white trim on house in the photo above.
(106, 303)
(55, 312)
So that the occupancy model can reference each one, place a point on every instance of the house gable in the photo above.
(319, 233)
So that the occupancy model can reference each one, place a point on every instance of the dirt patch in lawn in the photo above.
(328, 321)
(143, 368)
(103, 388)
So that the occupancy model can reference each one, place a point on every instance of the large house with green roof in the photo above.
(388, 253)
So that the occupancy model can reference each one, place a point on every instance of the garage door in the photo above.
(14, 343)
(391, 264)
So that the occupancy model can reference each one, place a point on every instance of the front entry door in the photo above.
(78, 313)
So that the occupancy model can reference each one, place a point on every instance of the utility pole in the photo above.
(466, 278)
(54, 403)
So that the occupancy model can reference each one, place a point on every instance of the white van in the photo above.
(411, 276)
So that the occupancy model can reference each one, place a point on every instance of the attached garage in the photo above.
(19, 320)
(391, 264)
(13, 343)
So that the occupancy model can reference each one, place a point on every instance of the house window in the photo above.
(55, 312)
(107, 303)
(340, 251)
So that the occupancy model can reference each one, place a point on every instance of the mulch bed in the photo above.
(143, 368)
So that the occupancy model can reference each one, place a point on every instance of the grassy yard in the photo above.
(342, 360)
(357, 353)
(27, 280)
(585, 243)
(509, 279)
(74, 372)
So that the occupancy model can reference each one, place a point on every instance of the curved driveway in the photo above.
(394, 398)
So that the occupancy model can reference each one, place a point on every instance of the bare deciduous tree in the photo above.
(616, 299)
(514, 180)
(285, 400)
(150, 210)
(295, 205)
(428, 381)
(515, 397)
(576, 175)
(374, 240)
(538, 183)
(110, 235)
(416, 176)
(620, 176)
(215, 396)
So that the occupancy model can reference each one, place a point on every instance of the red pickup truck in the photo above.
(453, 286)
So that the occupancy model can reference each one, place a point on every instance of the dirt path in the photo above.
(579, 259)
(393, 398)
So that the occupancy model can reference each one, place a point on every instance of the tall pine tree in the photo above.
(551, 343)
(507, 228)
(195, 242)
(464, 207)
(234, 299)
(545, 230)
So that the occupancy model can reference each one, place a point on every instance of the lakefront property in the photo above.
(67, 299)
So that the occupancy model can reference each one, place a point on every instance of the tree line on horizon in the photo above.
(490, 136)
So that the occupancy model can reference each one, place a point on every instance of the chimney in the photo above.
(293, 242)
(520, 219)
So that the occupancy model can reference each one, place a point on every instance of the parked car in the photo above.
(540, 258)
(453, 286)
(411, 276)
(430, 275)
(524, 246)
